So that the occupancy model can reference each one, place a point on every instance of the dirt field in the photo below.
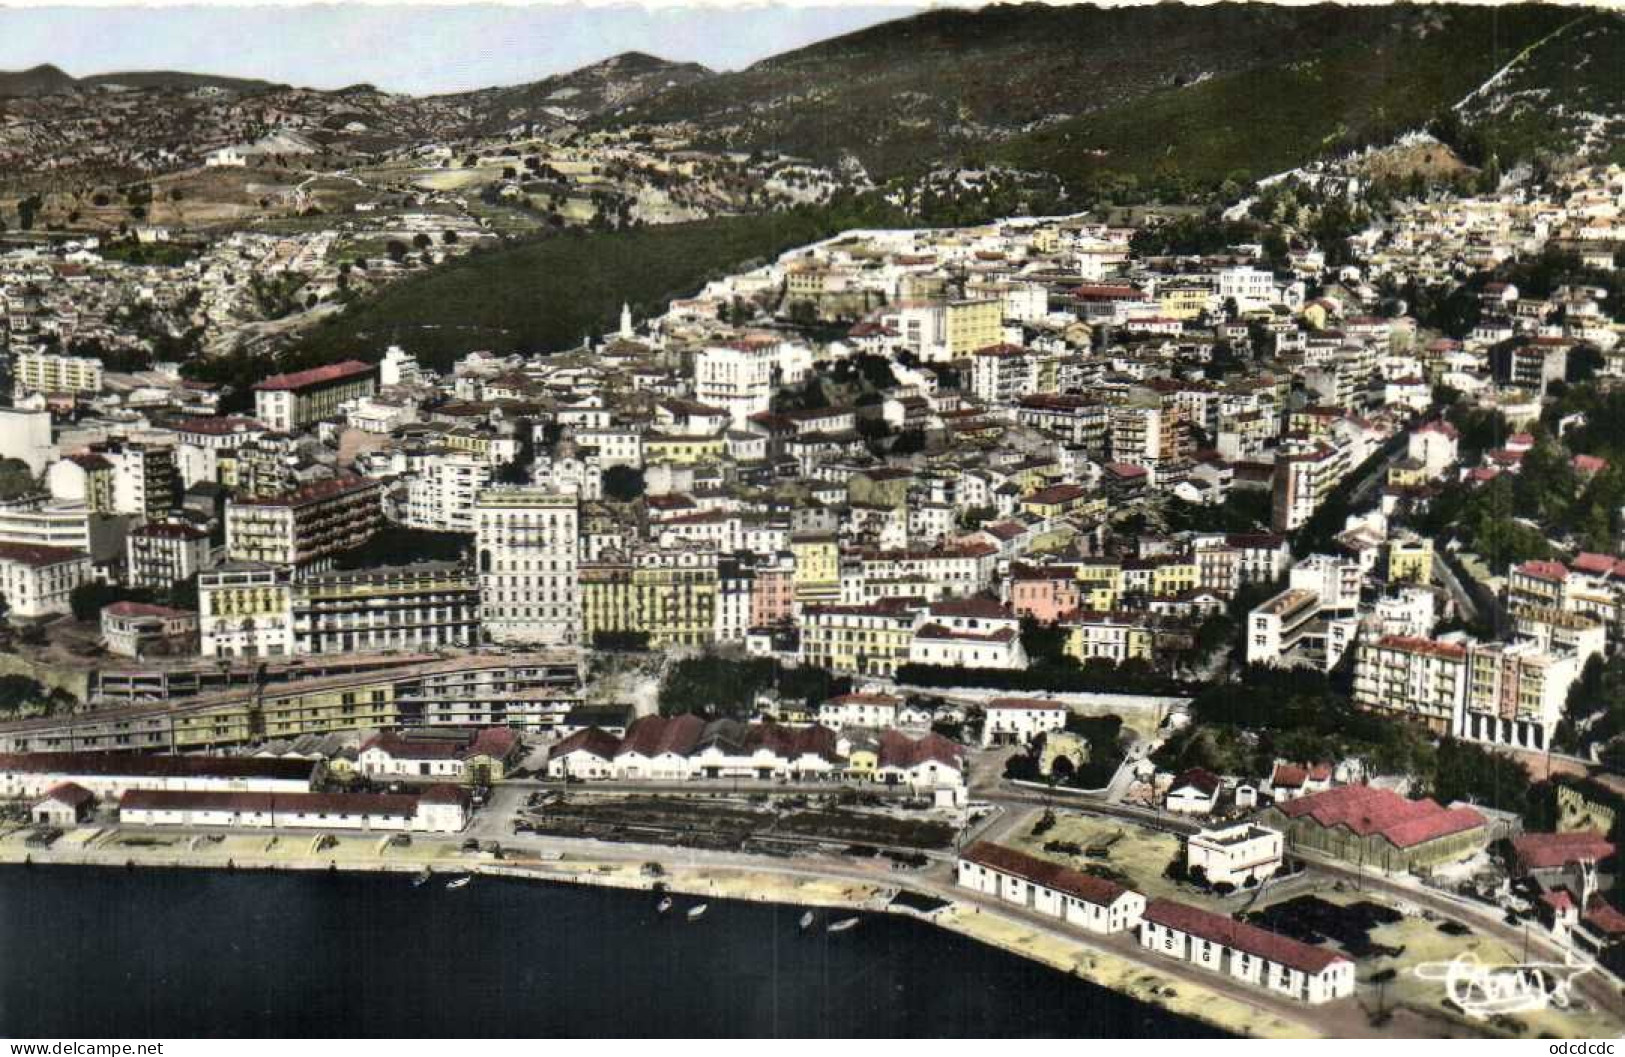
(1136, 856)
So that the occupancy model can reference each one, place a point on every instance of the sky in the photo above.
(419, 48)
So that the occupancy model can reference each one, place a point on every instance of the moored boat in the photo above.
(694, 912)
(461, 882)
(843, 924)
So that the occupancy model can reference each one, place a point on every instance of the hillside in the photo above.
(570, 98)
(546, 294)
(1087, 92)
(173, 80)
(40, 80)
(1565, 96)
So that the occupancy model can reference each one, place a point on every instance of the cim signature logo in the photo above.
(1483, 991)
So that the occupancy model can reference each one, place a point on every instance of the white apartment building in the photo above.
(441, 492)
(1496, 693)
(526, 543)
(50, 372)
(245, 610)
(26, 435)
(1303, 479)
(1235, 854)
(878, 711)
(741, 379)
(38, 581)
(37, 519)
(1250, 287)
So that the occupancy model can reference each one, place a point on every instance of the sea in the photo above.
(90, 952)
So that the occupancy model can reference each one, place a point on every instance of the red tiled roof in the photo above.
(315, 493)
(135, 764)
(71, 793)
(143, 609)
(1365, 810)
(1544, 570)
(591, 740)
(1240, 936)
(1545, 851)
(899, 750)
(38, 555)
(1601, 915)
(1204, 781)
(1087, 887)
(982, 608)
(332, 372)
(389, 805)
(654, 735)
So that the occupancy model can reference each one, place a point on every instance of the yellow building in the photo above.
(1115, 637)
(818, 569)
(866, 640)
(670, 596)
(1183, 301)
(970, 325)
(1174, 578)
(1100, 584)
(862, 761)
(521, 690)
(1407, 473)
(683, 451)
(1055, 501)
(1410, 561)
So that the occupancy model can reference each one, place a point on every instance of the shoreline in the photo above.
(769, 882)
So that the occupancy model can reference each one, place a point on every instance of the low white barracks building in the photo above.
(1079, 899)
(1246, 952)
(439, 809)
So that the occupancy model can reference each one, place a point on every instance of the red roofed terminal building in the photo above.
(1378, 829)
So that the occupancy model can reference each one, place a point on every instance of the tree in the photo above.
(623, 483)
(15, 479)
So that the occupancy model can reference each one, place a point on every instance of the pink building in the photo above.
(1045, 593)
(773, 598)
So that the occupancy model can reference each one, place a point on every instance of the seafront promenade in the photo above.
(806, 880)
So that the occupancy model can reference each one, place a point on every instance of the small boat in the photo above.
(694, 912)
(843, 924)
(806, 921)
(664, 905)
(461, 882)
(422, 878)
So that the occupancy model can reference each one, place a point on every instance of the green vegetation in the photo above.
(88, 599)
(1544, 104)
(16, 479)
(1100, 676)
(714, 686)
(1295, 714)
(1300, 715)
(396, 545)
(547, 293)
(1122, 103)
(19, 693)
